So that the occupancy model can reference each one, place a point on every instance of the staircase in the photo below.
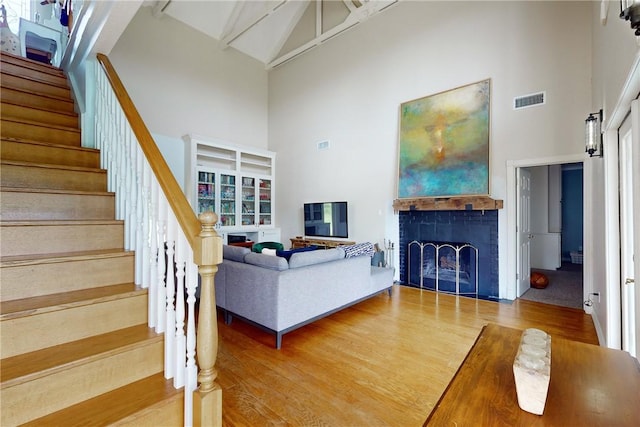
(75, 347)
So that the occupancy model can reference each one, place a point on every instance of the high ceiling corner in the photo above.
(271, 31)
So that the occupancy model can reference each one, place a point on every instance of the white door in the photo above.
(524, 230)
(629, 138)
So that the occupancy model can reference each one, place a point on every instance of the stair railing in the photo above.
(171, 244)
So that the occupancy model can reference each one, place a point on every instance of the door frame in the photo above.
(613, 316)
(512, 218)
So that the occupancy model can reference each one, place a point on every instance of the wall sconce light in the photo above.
(630, 11)
(593, 135)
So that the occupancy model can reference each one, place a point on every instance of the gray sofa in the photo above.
(280, 295)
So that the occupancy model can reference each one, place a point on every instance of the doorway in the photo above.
(555, 234)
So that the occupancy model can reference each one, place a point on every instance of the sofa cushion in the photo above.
(266, 261)
(268, 251)
(302, 259)
(287, 254)
(234, 253)
(358, 249)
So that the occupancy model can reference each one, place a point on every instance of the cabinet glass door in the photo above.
(248, 201)
(227, 212)
(265, 201)
(206, 192)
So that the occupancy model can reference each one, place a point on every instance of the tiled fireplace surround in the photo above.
(476, 227)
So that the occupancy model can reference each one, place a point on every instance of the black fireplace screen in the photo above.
(450, 267)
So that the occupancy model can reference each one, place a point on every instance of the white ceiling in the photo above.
(271, 31)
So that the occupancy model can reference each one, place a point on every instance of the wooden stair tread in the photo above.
(66, 300)
(50, 144)
(44, 125)
(31, 64)
(54, 191)
(19, 260)
(51, 166)
(114, 406)
(48, 110)
(29, 366)
(59, 222)
(40, 94)
(36, 79)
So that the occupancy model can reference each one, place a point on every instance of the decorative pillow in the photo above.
(302, 259)
(266, 261)
(268, 251)
(287, 254)
(234, 253)
(258, 247)
(358, 249)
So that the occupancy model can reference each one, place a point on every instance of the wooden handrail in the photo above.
(184, 213)
(207, 254)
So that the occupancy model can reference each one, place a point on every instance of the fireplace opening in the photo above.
(450, 267)
(467, 245)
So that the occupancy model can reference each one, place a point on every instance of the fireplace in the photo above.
(450, 267)
(453, 251)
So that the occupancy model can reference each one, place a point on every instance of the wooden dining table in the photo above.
(589, 385)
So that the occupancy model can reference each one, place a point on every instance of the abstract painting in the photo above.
(444, 143)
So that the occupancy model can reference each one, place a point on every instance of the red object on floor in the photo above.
(539, 280)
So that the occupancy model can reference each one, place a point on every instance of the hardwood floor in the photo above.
(383, 362)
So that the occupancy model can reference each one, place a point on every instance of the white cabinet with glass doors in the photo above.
(234, 182)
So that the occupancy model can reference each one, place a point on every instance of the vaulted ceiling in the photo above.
(271, 31)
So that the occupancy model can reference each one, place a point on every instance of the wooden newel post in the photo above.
(207, 400)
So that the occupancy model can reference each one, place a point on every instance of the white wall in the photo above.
(182, 82)
(349, 91)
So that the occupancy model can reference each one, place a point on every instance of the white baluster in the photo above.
(132, 197)
(191, 373)
(139, 238)
(169, 336)
(163, 209)
(181, 344)
(146, 222)
(129, 189)
(155, 253)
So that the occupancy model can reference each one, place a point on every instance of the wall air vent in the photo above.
(323, 145)
(530, 100)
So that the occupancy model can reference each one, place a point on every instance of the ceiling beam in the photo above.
(277, 47)
(159, 7)
(356, 16)
(228, 39)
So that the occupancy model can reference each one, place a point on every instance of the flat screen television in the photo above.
(326, 219)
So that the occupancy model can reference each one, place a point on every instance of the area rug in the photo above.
(565, 289)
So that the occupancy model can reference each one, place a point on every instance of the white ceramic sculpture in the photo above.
(532, 370)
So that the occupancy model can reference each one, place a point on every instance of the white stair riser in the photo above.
(34, 279)
(70, 324)
(52, 239)
(49, 206)
(34, 399)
